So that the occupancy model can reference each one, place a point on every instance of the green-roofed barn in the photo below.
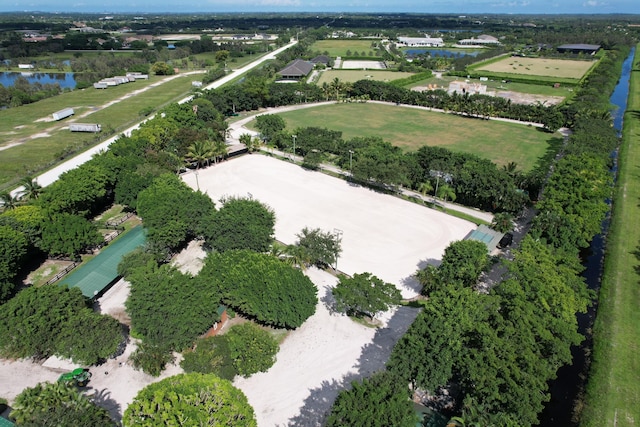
(94, 277)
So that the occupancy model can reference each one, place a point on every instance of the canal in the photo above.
(572, 378)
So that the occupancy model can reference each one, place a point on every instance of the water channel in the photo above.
(572, 378)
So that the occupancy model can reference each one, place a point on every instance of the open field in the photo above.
(613, 391)
(351, 76)
(411, 128)
(560, 68)
(31, 141)
(336, 48)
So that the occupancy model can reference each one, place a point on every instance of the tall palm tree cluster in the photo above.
(202, 152)
(30, 191)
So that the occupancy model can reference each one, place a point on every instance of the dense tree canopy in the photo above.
(170, 309)
(242, 223)
(380, 401)
(173, 213)
(194, 399)
(251, 348)
(320, 247)
(55, 320)
(68, 235)
(261, 286)
(58, 404)
(365, 294)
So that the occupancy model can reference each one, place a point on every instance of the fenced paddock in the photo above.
(354, 75)
(352, 64)
(547, 67)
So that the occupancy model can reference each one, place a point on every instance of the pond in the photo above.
(65, 80)
(446, 53)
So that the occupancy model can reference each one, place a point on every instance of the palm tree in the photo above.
(8, 201)
(219, 149)
(31, 189)
(200, 152)
(425, 187)
(297, 256)
(502, 222)
(445, 191)
(250, 142)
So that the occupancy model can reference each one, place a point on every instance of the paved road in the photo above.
(53, 174)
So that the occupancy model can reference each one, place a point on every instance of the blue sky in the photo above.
(459, 7)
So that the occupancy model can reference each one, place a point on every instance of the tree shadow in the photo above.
(373, 358)
(103, 399)
(329, 301)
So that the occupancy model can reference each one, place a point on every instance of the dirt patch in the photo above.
(46, 271)
(528, 98)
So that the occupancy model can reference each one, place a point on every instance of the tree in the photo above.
(269, 125)
(38, 322)
(162, 69)
(151, 358)
(68, 235)
(365, 294)
(502, 222)
(251, 348)
(31, 189)
(200, 152)
(261, 287)
(13, 249)
(198, 399)
(8, 201)
(321, 247)
(242, 223)
(169, 309)
(425, 187)
(445, 191)
(58, 404)
(380, 401)
(462, 263)
(211, 355)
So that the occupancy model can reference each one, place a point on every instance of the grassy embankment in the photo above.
(613, 390)
(29, 155)
(411, 128)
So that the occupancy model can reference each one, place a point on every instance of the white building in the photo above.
(421, 41)
(483, 40)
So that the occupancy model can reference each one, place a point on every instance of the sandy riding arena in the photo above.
(381, 234)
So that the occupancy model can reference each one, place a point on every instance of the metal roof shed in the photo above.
(97, 274)
(487, 236)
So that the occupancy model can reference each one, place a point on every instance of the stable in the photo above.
(589, 49)
(296, 70)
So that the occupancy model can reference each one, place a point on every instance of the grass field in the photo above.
(354, 75)
(340, 47)
(411, 128)
(560, 68)
(17, 125)
(613, 391)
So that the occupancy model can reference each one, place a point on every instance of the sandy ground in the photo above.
(381, 234)
(319, 359)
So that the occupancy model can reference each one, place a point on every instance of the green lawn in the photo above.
(340, 47)
(613, 390)
(34, 155)
(412, 128)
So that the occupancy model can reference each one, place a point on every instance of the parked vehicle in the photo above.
(78, 377)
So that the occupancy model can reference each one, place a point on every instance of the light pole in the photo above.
(351, 162)
(294, 146)
(338, 234)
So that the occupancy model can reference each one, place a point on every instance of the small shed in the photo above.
(321, 59)
(296, 69)
(486, 235)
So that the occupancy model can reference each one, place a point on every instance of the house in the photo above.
(296, 70)
(588, 49)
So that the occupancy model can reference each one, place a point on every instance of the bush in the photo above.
(151, 359)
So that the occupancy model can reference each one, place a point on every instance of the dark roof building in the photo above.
(590, 49)
(296, 69)
(321, 59)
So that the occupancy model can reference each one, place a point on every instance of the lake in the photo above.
(65, 80)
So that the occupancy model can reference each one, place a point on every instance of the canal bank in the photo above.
(567, 391)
